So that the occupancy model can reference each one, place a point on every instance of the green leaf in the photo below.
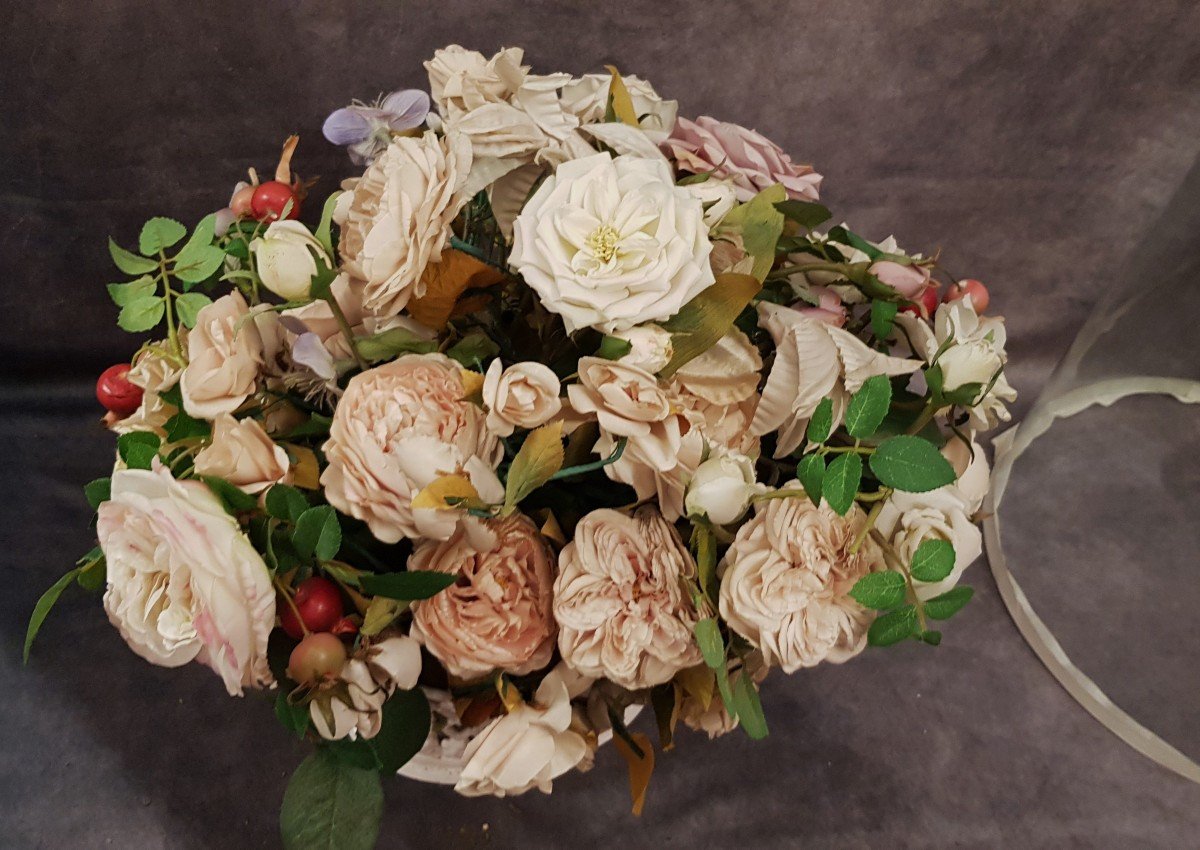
(708, 637)
(407, 586)
(912, 464)
(868, 406)
(158, 234)
(330, 805)
(933, 637)
(842, 480)
(540, 456)
(357, 753)
(322, 282)
(129, 262)
(389, 343)
(318, 533)
(285, 502)
(760, 225)
(122, 293)
(811, 472)
(820, 426)
(701, 322)
(948, 604)
(182, 426)
(43, 608)
(138, 448)
(93, 570)
(894, 627)
(964, 394)
(706, 557)
(880, 591)
(316, 426)
(613, 348)
(98, 491)
(324, 231)
(405, 727)
(194, 265)
(473, 349)
(748, 706)
(808, 214)
(293, 716)
(933, 560)
(847, 237)
(934, 379)
(188, 305)
(231, 497)
(141, 314)
(883, 317)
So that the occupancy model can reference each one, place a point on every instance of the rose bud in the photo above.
(721, 488)
(973, 289)
(651, 347)
(286, 256)
(909, 281)
(116, 392)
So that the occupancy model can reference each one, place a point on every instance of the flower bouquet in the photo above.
(563, 408)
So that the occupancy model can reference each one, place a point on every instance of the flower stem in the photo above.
(347, 331)
(168, 304)
(279, 585)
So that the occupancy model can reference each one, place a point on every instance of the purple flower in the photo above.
(366, 130)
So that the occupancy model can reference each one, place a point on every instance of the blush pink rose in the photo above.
(748, 159)
(909, 281)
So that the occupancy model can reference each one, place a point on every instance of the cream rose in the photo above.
(525, 395)
(243, 454)
(155, 369)
(351, 705)
(398, 428)
(611, 243)
(399, 214)
(286, 257)
(226, 355)
(184, 583)
(786, 580)
(497, 615)
(650, 347)
(721, 488)
(621, 608)
(586, 97)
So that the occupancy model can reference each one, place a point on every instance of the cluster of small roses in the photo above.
(566, 406)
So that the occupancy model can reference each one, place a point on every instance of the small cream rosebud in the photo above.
(651, 347)
(286, 256)
(721, 488)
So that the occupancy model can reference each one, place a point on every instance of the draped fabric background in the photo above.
(1035, 142)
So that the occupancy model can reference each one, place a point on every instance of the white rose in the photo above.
(243, 454)
(587, 98)
(650, 348)
(721, 488)
(352, 704)
(225, 357)
(184, 583)
(286, 257)
(611, 243)
(525, 395)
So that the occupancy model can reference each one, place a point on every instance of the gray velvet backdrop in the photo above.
(1033, 142)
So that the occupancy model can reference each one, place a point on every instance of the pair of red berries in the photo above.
(266, 201)
(318, 610)
(972, 289)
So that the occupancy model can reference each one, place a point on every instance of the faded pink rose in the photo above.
(748, 159)
(497, 615)
(829, 309)
(909, 280)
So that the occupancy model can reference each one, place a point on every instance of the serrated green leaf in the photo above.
(748, 706)
(811, 472)
(329, 804)
(405, 727)
(98, 491)
(842, 480)
(613, 348)
(231, 497)
(880, 591)
(141, 314)
(138, 448)
(122, 293)
(407, 586)
(933, 560)
(820, 426)
(158, 234)
(194, 265)
(948, 604)
(389, 343)
(912, 464)
(202, 236)
(129, 262)
(188, 306)
(883, 318)
(868, 406)
(894, 627)
(706, 318)
(285, 502)
(932, 637)
(473, 349)
(318, 533)
(42, 609)
(708, 638)
(808, 214)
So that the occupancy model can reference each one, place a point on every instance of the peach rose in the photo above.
(525, 395)
(243, 454)
(497, 616)
(225, 357)
(619, 600)
(398, 428)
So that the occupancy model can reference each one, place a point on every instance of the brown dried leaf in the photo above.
(445, 281)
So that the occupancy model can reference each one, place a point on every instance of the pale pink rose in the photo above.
(184, 583)
(909, 280)
(751, 161)
(497, 615)
(397, 429)
(225, 357)
(786, 581)
(829, 309)
(155, 369)
(719, 389)
(243, 454)
(525, 395)
(351, 704)
(622, 611)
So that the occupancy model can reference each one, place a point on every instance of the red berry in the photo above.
(270, 198)
(973, 288)
(315, 657)
(242, 201)
(319, 603)
(926, 304)
(116, 392)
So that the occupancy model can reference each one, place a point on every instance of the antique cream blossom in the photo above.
(226, 355)
(721, 488)
(350, 705)
(586, 98)
(156, 369)
(525, 395)
(611, 243)
(398, 217)
(526, 748)
(497, 615)
(397, 429)
(243, 454)
(650, 347)
(813, 361)
(184, 583)
(286, 257)
(619, 599)
(786, 583)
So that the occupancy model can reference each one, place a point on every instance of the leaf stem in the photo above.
(591, 467)
(168, 304)
(347, 331)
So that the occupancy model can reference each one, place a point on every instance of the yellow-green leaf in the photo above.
(622, 103)
(708, 317)
(640, 769)
(760, 224)
(457, 487)
(541, 456)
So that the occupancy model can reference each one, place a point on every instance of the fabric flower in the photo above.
(786, 583)
(398, 428)
(156, 369)
(350, 705)
(621, 607)
(226, 354)
(721, 488)
(586, 98)
(243, 454)
(184, 583)
(497, 615)
(650, 347)
(525, 395)
(286, 256)
(747, 158)
(611, 243)
(366, 131)
(399, 214)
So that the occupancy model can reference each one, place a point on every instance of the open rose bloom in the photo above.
(565, 404)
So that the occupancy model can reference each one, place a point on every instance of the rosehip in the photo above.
(976, 290)
(270, 198)
(115, 391)
(315, 657)
(241, 201)
(928, 302)
(320, 606)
